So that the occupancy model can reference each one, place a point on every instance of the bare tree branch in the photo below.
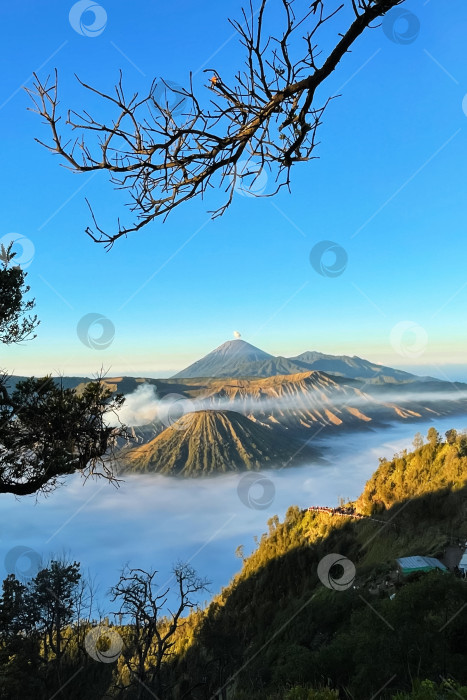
(166, 151)
(151, 630)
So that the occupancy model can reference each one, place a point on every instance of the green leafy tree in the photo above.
(46, 431)
(43, 628)
(19, 644)
(16, 615)
(418, 441)
(451, 436)
(463, 446)
(433, 437)
(240, 552)
(298, 692)
(16, 323)
(52, 598)
(429, 690)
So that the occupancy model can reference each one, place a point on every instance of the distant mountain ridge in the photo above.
(233, 353)
(240, 359)
(237, 358)
(353, 367)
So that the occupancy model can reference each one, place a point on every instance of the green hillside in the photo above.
(431, 467)
(293, 624)
(276, 626)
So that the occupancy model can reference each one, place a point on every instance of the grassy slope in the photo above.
(276, 624)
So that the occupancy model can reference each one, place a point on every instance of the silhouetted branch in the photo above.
(48, 432)
(165, 152)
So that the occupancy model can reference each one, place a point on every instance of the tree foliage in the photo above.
(47, 431)
(433, 436)
(16, 323)
(431, 468)
(52, 598)
(46, 631)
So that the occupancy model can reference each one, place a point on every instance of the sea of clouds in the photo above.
(152, 521)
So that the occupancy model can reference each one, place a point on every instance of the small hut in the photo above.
(408, 565)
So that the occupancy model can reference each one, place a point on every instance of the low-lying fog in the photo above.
(144, 405)
(152, 521)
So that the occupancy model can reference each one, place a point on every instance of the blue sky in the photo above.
(390, 188)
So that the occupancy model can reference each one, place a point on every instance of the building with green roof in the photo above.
(408, 565)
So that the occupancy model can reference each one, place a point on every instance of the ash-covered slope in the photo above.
(213, 442)
(306, 400)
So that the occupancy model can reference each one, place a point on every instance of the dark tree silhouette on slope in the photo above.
(46, 431)
(153, 620)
